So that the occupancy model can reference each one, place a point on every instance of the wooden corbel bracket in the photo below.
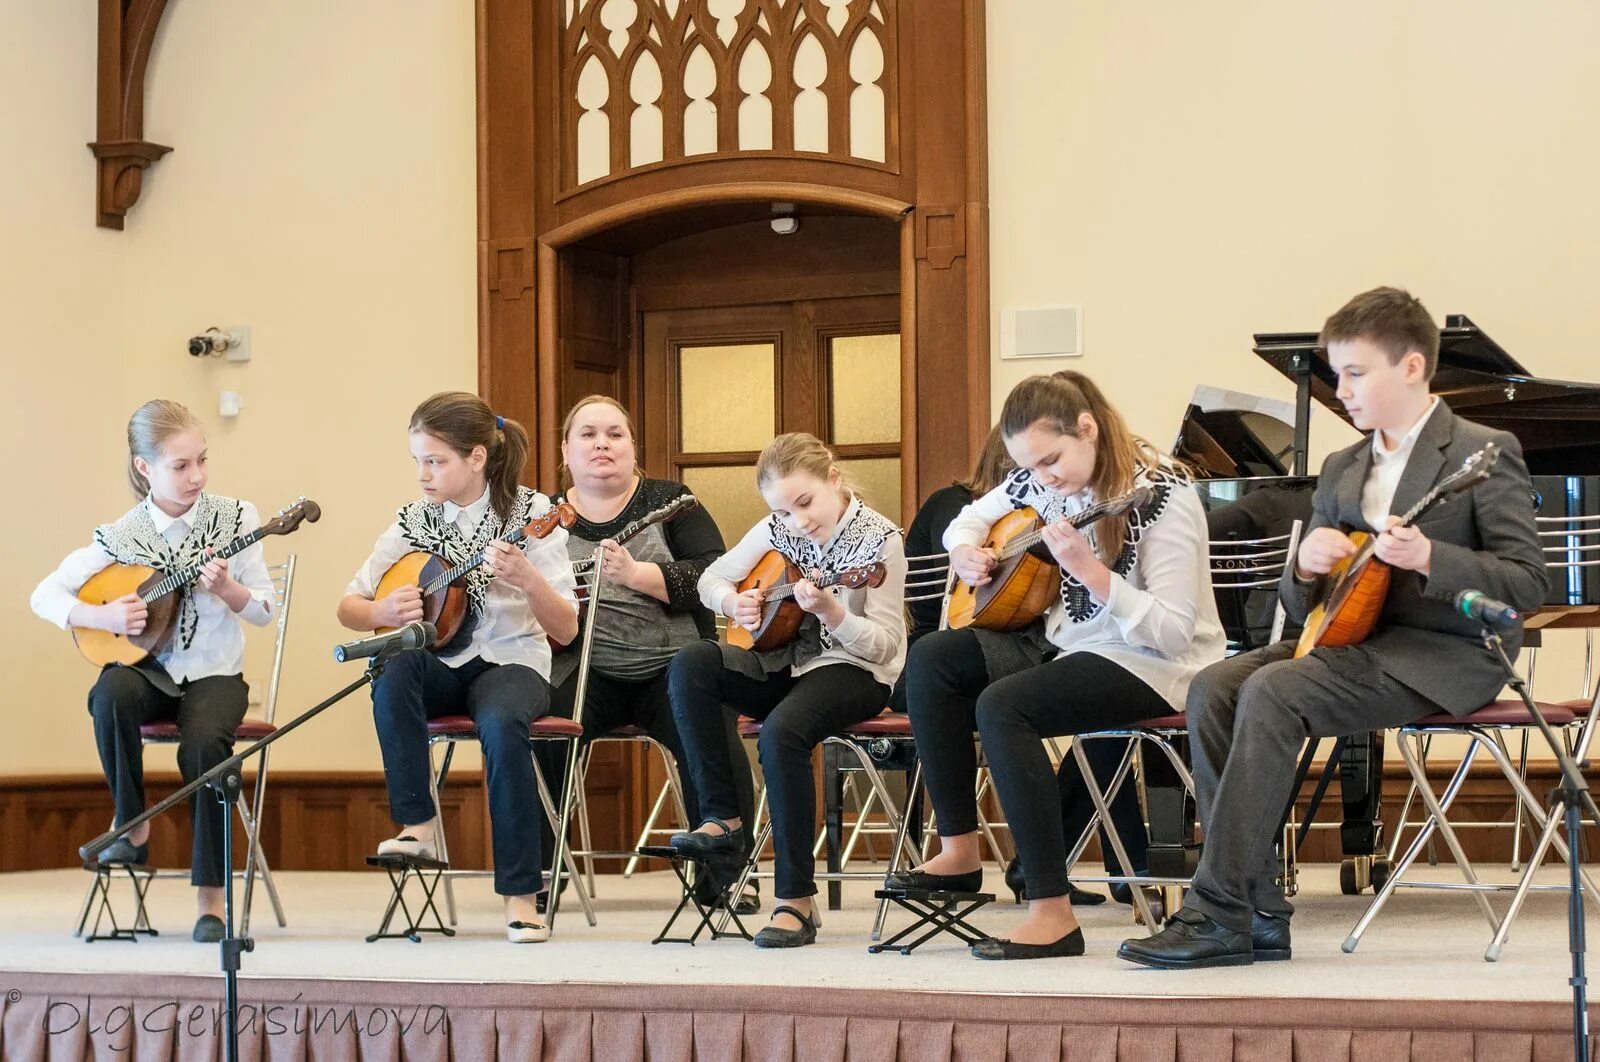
(127, 32)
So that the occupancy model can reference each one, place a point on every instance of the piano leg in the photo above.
(1361, 833)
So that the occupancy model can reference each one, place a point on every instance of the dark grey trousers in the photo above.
(1248, 718)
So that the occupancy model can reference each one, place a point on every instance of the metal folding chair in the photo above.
(450, 730)
(250, 809)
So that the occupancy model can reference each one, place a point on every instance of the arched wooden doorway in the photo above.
(611, 129)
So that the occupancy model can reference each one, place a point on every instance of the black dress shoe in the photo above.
(922, 881)
(208, 929)
(777, 937)
(711, 888)
(728, 842)
(994, 948)
(1019, 887)
(1269, 937)
(1190, 941)
(123, 851)
(541, 899)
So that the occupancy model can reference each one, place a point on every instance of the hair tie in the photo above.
(500, 422)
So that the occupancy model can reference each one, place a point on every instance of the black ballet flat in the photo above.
(124, 852)
(1019, 888)
(1069, 946)
(922, 881)
(776, 937)
(208, 929)
(729, 842)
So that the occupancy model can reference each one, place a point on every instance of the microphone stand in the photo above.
(226, 780)
(1573, 795)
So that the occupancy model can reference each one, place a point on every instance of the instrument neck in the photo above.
(449, 575)
(821, 582)
(183, 577)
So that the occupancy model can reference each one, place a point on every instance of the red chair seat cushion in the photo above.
(167, 732)
(628, 730)
(889, 724)
(1506, 712)
(1165, 722)
(549, 726)
(749, 727)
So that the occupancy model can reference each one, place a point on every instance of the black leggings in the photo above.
(610, 703)
(950, 695)
(797, 714)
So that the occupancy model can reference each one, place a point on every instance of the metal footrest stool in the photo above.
(140, 877)
(680, 862)
(946, 912)
(428, 873)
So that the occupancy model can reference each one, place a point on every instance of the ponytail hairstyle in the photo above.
(564, 473)
(1120, 455)
(463, 421)
(990, 467)
(798, 451)
(151, 425)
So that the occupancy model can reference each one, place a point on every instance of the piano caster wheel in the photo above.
(1355, 875)
(1381, 869)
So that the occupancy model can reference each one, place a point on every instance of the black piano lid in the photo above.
(1557, 421)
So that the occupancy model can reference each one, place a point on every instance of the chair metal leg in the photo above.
(585, 840)
(1436, 812)
(1103, 811)
(983, 820)
(902, 845)
(562, 856)
(1516, 826)
(649, 828)
(435, 780)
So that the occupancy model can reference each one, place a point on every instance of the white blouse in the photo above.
(1160, 621)
(873, 633)
(507, 632)
(218, 644)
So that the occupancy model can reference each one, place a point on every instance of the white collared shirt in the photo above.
(1383, 479)
(218, 644)
(507, 632)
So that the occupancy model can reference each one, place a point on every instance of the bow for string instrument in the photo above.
(443, 586)
(159, 590)
(1025, 578)
(776, 577)
(1353, 592)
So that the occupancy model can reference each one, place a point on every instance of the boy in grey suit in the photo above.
(1249, 715)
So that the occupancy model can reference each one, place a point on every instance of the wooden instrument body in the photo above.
(108, 584)
(780, 620)
(1357, 586)
(1020, 588)
(445, 609)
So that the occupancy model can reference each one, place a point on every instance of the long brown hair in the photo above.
(151, 425)
(1058, 401)
(990, 467)
(462, 421)
(564, 473)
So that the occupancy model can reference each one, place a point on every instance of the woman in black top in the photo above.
(649, 605)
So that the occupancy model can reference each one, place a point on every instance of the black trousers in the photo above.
(207, 711)
(611, 703)
(1249, 715)
(796, 713)
(951, 695)
(503, 701)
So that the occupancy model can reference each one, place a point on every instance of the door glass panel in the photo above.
(878, 479)
(864, 375)
(729, 494)
(727, 397)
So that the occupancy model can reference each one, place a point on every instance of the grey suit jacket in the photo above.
(1483, 539)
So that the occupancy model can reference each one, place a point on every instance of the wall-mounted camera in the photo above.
(233, 342)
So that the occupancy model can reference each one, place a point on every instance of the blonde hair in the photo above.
(564, 472)
(151, 425)
(798, 451)
(462, 421)
(1058, 401)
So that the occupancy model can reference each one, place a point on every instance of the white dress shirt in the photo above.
(872, 634)
(507, 632)
(1160, 622)
(218, 644)
(1377, 494)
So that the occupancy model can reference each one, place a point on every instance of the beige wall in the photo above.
(1188, 173)
(1193, 173)
(320, 190)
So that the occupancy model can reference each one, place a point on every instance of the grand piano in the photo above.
(1252, 456)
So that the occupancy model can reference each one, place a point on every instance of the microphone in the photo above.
(417, 635)
(1486, 610)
